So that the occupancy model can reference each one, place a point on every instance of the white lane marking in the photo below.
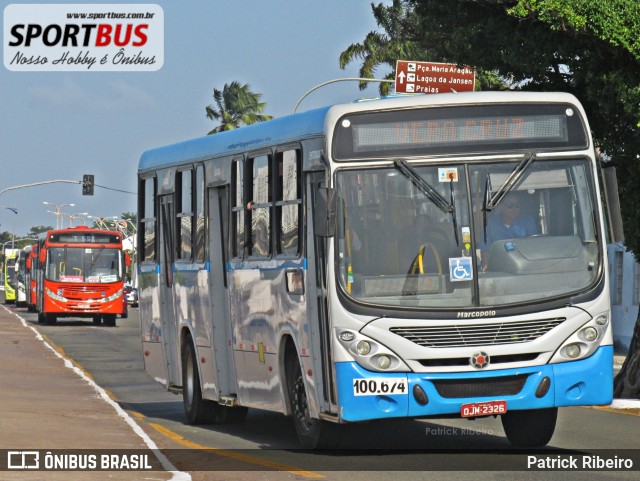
(166, 464)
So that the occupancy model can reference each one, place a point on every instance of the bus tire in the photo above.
(109, 320)
(41, 318)
(50, 319)
(97, 320)
(198, 410)
(312, 433)
(530, 428)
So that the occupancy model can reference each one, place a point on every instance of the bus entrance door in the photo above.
(221, 376)
(168, 316)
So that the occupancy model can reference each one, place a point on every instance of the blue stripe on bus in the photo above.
(579, 383)
(148, 268)
(191, 267)
(231, 266)
(270, 265)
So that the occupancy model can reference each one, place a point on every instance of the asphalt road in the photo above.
(266, 443)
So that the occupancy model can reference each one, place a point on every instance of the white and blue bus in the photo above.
(358, 262)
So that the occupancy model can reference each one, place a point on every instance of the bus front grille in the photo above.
(493, 386)
(486, 334)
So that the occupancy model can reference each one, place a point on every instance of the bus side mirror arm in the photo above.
(325, 212)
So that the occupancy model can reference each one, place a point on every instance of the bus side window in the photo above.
(147, 234)
(184, 213)
(199, 240)
(288, 203)
(260, 206)
(237, 210)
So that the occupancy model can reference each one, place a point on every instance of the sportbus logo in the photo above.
(83, 37)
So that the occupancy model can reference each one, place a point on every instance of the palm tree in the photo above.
(399, 23)
(235, 105)
(400, 41)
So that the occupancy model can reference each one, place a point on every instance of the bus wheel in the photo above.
(312, 433)
(50, 319)
(41, 318)
(97, 320)
(198, 410)
(530, 428)
(109, 320)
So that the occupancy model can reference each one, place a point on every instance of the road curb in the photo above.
(101, 393)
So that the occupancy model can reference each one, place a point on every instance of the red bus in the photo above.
(30, 278)
(80, 273)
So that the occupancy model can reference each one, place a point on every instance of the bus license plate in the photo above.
(483, 409)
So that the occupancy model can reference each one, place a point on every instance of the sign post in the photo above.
(433, 78)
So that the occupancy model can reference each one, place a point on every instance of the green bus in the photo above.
(10, 274)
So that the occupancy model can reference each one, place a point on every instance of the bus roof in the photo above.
(256, 136)
(80, 229)
(311, 123)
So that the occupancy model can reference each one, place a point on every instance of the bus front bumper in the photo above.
(366, 395)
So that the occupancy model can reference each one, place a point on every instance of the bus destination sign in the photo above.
(433, 78)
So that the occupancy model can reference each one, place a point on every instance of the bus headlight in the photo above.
(368, 353)
(112, 297)
(383, 362)
(55, 296)
(590, 334)
(584, 341)
(572, 350)
(363, 348)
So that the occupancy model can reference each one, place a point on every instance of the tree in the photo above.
(234, 106)
(587, 47)
(400, 41)
(37, 230)
(614, 21)
(383, 48)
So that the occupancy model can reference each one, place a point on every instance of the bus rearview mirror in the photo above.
(325, 212)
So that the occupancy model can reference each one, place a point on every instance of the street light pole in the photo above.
(102, 221)
(74, 216)
(58, 211)
(13, 225)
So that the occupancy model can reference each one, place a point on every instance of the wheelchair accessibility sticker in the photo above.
(460, 269)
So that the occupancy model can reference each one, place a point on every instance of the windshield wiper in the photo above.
(510, 183)
(432, 194)
(94, 260)
(491, 202)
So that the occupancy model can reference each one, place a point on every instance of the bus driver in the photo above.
(510, 223)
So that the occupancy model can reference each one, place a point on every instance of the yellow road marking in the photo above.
(627, 411)
(175, 437)
(65, 356)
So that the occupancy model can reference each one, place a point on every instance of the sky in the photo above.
(61, 125)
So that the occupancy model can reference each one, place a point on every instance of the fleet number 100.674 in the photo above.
(373, 387)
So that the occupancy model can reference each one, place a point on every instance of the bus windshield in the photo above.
(12, 273)
(401, 244)
(81, 264)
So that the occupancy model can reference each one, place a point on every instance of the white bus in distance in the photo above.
(359, 262)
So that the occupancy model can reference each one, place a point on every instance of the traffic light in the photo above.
(87, 184)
